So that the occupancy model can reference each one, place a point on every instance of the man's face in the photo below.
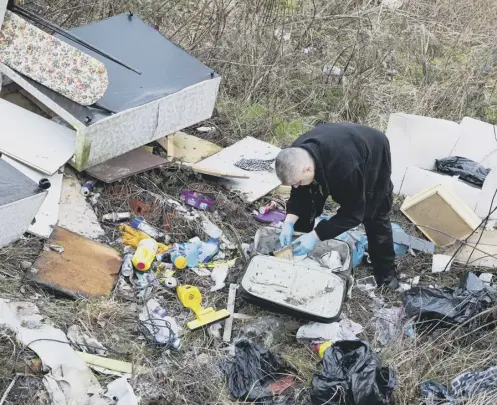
(305, 178)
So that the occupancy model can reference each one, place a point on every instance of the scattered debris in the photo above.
(162, 327)
(441, 263)
(143, 226)
(85, 268)
(486, 278)
(121, 393)
(145, 254)
(87, 187)
(440, 215)
(85, 343)
(132, 237)
(411, 242)
(205, 129)
(228, 324)
(447, 306)
(197, 200)
(105, 365)
(218, 275)
(352, 375)
(139, 207)
(332, 332)
(388, 324)
(188, 148)
(366, 283)
(116, 216)
(464, 387)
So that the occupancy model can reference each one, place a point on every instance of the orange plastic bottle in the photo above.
(145, 254)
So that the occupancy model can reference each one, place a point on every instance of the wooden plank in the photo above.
(188, 148)
(228, 324)
(47, 216)
(109, 364)
(33, 140)
(75, 214)
(258, 183)
(135, 162)
(440, 215)
(84, 269)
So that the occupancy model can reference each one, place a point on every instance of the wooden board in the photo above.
(33, 140)
(75, 214)
(84, 269)
(47, 216)
(188, 148)
(135, 162)
(437, 209)
(228, 324)
(258, 184)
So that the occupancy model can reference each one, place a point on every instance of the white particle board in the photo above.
(33, 140)
(487, 194)
(3, 8)
(75, 214)
(478, 142)
(418, 141)
(259, 183)
(46, 218)
(417, 180)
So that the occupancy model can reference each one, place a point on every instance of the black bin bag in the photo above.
(466, 169)
(352, 375)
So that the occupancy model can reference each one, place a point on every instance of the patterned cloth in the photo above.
(464, 387)
(255, 165)
(51, 62)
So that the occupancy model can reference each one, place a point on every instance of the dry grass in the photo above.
(286, 65)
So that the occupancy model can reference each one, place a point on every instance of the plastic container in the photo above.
(127, 266)
(145, 254)
(162, 327)
(197, 200)
(142, 225)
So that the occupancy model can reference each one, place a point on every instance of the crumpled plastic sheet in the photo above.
(452, 306)
(335, 331)
(252, 373)
(466, 169)
(388, 324)
(464, 387)
(352, 375)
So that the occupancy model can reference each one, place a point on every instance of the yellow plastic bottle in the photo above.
(145, 254)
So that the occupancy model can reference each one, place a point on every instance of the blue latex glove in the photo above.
(305, 244)
(286, 234)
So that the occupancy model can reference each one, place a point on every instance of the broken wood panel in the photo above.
(188, 148)
(228, 324)
(259, 183)
(47, 216)
(440, 215)
(75, 214)
(84, 269)
(135, 162)
(33, 140)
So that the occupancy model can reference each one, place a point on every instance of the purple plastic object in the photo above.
(271, 216)
(197, 200)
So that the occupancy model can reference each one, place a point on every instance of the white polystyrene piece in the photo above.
(47, 215)
(417, 180)
(418, 141)
(309, 290)
(487, 194)
(478, 142)
(16, 217)
(33, 140)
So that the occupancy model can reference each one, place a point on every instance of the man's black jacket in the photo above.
(353, 165)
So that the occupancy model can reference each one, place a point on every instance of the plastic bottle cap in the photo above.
(140, 266)
(180, 262)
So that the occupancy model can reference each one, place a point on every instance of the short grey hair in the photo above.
(289, 164)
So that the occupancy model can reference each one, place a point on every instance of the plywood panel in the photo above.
(47, 216)
(131, 163)
(440, 215)
(85, 268)
(33, 140)
(258, 184)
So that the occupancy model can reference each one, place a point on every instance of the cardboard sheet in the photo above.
(84, 269)
(258, 183)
